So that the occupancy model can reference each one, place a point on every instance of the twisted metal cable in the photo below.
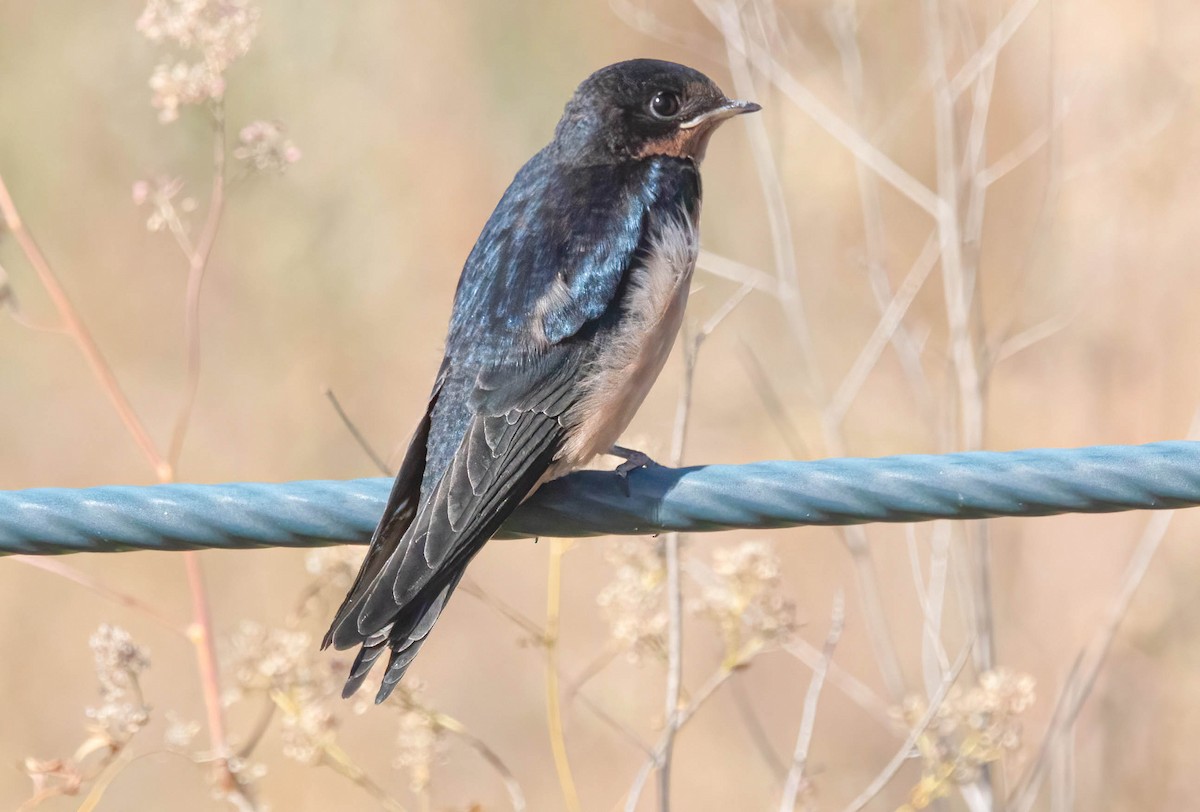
(713, 497)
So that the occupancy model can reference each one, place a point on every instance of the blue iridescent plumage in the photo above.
(568, 276)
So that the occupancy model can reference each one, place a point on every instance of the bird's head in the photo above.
(642, 108)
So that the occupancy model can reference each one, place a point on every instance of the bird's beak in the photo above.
(729, 109)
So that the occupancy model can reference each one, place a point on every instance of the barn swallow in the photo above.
(564, 315)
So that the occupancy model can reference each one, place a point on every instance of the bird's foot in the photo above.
(633, 461)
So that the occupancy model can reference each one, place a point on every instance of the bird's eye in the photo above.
(665, 104)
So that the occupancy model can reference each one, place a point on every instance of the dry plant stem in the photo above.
(1082, 678)
(842, 132)
(671, 548)
(854, 688)
(726, 18)
(958, 282)
(516, 795)
(731, 269)
(933, 654)
(336, 759)
(674, 668)
(73, 326)
(843, 24)
(333, 756)
(1062, 775)
(473, 589)
(197, 257)
(201, 631)
(554, 721)
(102, 589)
(376, 460)
(772, 402)
(890, 320)
(754, 727)
(796, 779)
(782, 245)
(985, 57)
(683, 716)
(201, 635)
(880, 781)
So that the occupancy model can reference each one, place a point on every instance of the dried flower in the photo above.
(420, 739)
(119, 663)
(204, 38)
(634, 601)
(284, 664)
(970, 729)
(740, 591)
(180, 732)
(160, 195)
(264, 147)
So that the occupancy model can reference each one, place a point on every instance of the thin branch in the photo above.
(1092, 657)
(63, 570)
(892, 767)
(197, 258)
(672, 543)
(682, 716)
(376, 460)
(516, 795)
(74, 327)
(731, 269)
(842, 22)
(985, 57)
(796, 778)
(855, 689)
(772, 403)
(885, 330)
(826, 119)
(201, 634)
(554, 722)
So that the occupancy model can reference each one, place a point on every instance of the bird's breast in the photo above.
(632, 354)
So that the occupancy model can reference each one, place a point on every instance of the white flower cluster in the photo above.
(119, 663)
(741, 592)
(971, 728)
(283, 664)
(264, 147)
(634, 602)
(204, 37)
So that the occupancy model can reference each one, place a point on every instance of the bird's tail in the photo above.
(402, 637)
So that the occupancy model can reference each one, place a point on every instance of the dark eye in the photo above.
(665, 104)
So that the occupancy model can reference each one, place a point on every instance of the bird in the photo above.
(565, 312)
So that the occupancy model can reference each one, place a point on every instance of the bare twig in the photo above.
(197, 258)
(772, 402)
(731, 269)
(554, 721)
(516, 795)
(73, 326)
(63, 570)
(1082, 678)
(841, 19)
(376, 460)
(672, 542)
(892, 767)
(796, 778)
(985, 58)
(682, 716)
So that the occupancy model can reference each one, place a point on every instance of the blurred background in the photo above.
(1053, 303)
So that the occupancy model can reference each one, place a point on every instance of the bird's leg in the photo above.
(633, 461)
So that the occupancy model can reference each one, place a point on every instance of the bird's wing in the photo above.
(412, 567)
(534, 292)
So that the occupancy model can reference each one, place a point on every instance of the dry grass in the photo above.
(955, 225)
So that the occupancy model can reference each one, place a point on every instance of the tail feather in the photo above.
(402, 637)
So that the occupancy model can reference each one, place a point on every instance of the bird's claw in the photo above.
(633, 461)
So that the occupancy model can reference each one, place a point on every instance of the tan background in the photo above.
(412, 118)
